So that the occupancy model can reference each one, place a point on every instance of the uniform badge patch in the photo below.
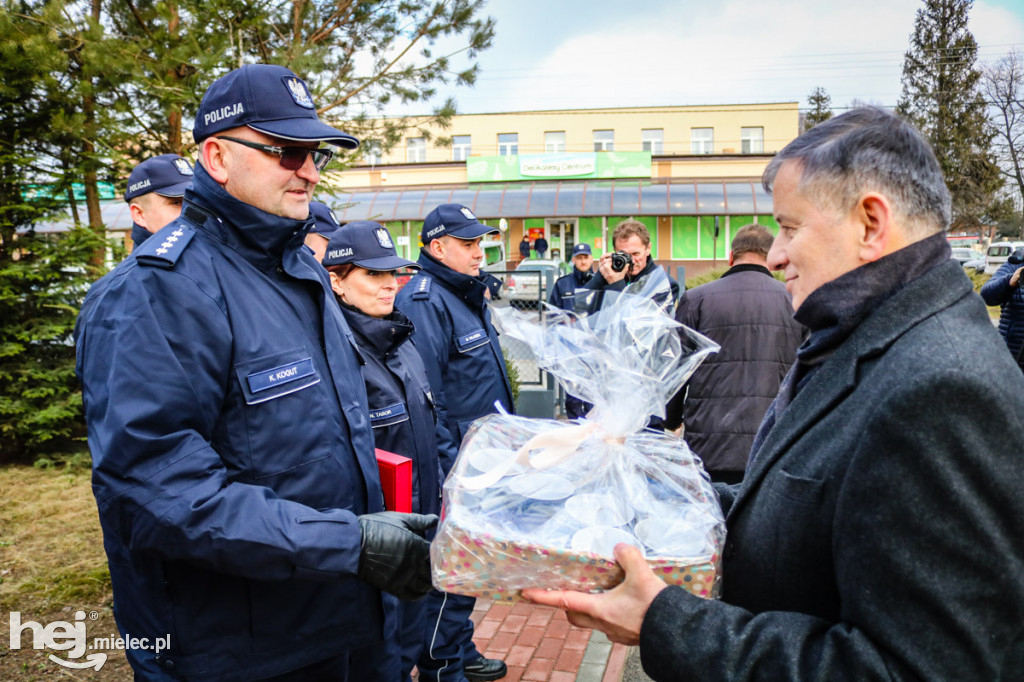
(183, 167)
(383, 238)
(299, 92)
(466, 212)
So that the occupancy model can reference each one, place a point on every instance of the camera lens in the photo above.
(620, 261)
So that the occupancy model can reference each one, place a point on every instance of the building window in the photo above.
(415, 149)
(752, 140)
(604, 140)
(702, 140)
(653, 140)
(554, 142)
(508, 144)
(371, 152)
(461, 147)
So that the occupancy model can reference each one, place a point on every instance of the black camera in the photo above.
(621, 260)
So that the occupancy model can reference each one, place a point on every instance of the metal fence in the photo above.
(530, 374)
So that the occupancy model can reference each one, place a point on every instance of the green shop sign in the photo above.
(49, 191)
(598, 165)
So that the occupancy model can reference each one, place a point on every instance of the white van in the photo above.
(997, 254)
(494, 255)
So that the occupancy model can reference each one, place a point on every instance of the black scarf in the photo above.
(836, 308)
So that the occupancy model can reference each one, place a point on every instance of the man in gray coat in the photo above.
(749, 314)
(877, 533)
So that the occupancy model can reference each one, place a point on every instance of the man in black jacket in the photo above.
(631, 237)
(749, 314)
(876, 534)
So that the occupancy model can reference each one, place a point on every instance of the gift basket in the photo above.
(542, 503)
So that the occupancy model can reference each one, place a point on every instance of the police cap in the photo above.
(366, 244)
(267, 98)
(168, 175)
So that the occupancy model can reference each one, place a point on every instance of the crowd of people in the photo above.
(860, 422)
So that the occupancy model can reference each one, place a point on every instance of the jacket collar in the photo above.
(936, 290)
(139, 234)
(256, 235)
(747, 267)
(379, 335)
(469, 289)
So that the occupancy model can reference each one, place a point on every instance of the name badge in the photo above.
(471, 340)
(386, 416)
(269, 378)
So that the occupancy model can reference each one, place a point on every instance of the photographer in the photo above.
(614, 272)
(1004, 290)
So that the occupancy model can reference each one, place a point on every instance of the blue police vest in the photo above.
(459, 347)
(231, 447)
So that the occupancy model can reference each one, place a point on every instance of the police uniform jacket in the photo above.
(997, 291)
(459, 347)
(563, 292)
(401, 404)
(231, 452)
(876, 535)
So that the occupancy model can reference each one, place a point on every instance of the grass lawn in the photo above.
(52, 565)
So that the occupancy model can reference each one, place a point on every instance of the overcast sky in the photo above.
(550, 54)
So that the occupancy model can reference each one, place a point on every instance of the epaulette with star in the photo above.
(421, 287)
(163, 249)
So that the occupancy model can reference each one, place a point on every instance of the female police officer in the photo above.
(361, 260)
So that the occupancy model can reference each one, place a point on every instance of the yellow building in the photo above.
(691, 174)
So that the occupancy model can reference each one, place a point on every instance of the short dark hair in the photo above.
(628, 228)
(869, 149)
(752, 238)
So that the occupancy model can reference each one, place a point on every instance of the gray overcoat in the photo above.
(879, 533)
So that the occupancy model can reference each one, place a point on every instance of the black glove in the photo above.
(394, 557)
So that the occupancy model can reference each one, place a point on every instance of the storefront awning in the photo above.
(558, 199)
(520, 200)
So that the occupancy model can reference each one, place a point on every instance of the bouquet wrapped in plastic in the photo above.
(542, 503)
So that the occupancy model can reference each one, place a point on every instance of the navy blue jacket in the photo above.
(401, 404)
(459, 347)
(997, 291)
(231, 452)
(563, 292)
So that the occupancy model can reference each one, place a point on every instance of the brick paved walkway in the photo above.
(538, 644)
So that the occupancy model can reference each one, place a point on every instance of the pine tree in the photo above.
(41, 278)
(941, 96)
(90, 88)
(820, 108)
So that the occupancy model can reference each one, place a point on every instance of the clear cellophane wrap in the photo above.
(542, 503)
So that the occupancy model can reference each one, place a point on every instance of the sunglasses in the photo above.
(290, 158)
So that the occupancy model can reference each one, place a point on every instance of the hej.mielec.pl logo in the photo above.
(71, 637)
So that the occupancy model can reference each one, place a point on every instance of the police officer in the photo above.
(563, 293)
(459, 347)
(325, 225)
(233, 462)
(155, 189)
(362, 260)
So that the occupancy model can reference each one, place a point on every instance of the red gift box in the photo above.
(395, 480)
